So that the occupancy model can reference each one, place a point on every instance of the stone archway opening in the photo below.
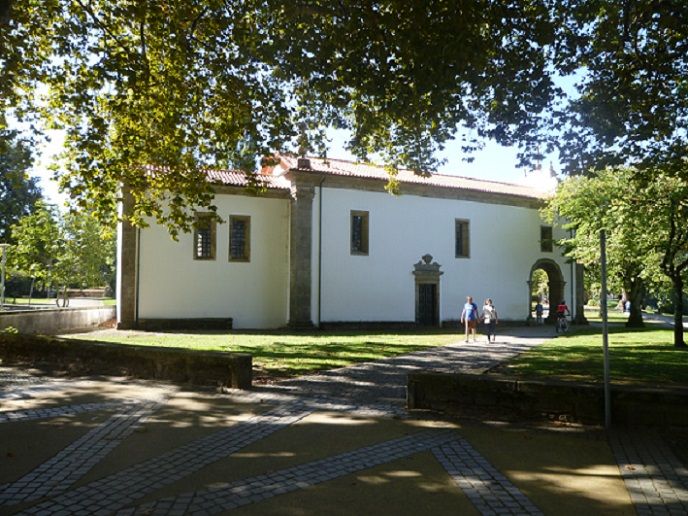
(545, 284)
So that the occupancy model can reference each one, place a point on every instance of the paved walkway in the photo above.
(335, 443)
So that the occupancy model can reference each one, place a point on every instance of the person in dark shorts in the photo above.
(469, 317)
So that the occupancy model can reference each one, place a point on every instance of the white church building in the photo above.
(325, 245)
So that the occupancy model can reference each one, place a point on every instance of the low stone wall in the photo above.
(87, 358)
(58, 320)
(509, 398)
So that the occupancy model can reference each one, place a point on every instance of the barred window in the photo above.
(239, 238)
(462, 240)
(359, 232)
(204, 237)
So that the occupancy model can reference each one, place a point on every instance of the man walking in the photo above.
(469, 317)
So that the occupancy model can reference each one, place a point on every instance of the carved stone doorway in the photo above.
(427, 276)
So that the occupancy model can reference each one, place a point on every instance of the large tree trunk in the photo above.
(678, 311)
(635, 296)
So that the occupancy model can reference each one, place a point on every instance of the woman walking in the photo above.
(489, 317)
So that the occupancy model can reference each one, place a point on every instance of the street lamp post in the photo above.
(2, 275)
(605, 330)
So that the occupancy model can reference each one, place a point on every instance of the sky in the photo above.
(494, 162)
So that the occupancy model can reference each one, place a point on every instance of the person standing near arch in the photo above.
(469, 317)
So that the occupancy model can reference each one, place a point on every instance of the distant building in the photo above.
(326, 244)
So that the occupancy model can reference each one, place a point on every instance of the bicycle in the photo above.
(562, 324)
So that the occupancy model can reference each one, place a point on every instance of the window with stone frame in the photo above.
(546, 239)
(239, 238)
(359, 232)
(461, 238)
(204, 240)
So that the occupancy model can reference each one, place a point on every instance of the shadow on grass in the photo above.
(636, 355)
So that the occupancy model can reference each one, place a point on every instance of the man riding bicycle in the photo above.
(562, 312)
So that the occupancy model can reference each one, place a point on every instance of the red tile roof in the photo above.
(238, 178)
(340, 167)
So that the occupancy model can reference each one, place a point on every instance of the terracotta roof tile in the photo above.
(238, 178)
(370, 171)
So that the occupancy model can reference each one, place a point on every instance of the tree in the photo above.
(185, 85)
(633, 102)
(666, 213)
(89, 255)
(647, 227)
(18, 192)
(590, 204)
(63, 251)
(178, 86)
(37, 246)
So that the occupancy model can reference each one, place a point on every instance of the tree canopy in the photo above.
(62, 250)
(589, 204)
(178, 86)
(646, 221)
(18, 192)
(633, 103)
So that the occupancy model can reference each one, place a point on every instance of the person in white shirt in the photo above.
(489, 317)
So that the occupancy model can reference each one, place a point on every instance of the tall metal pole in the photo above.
(605, 329)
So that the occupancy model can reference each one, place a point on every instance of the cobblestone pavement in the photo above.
(159, 484)
(656, 481)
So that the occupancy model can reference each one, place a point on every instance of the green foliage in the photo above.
(540, 285)
(152, 91)
(633, 95)
(38, 244)
(605, 200)
(62, 250)
(211, 83)
(646, 221)
(18, 193)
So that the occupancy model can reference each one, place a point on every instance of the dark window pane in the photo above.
(203, 243)
(236, 244)
(462, 239)
(204, 238)
(546, 240)
(239, 238)
(359, 232)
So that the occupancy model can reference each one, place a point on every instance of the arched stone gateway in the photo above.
(555, 283)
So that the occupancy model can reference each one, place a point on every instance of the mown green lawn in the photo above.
(49, 301)
(283, 354)
(34, 300)
(636, 356)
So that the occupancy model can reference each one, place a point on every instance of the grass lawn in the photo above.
(644, 355)
(50, 301)
(282, 354)
(34, 300)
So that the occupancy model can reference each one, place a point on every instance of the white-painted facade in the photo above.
(255, 294)
(504, 245)
(379, 287)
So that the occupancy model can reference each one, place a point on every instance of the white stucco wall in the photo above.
(504, 245)
(255, 294)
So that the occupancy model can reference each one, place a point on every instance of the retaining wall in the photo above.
(75, 357)
(55, 321)
(509, 398)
